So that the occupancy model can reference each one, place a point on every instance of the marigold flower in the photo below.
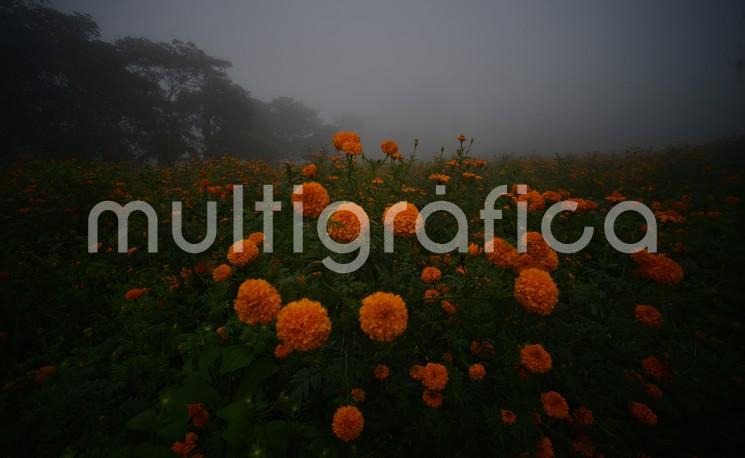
(648, 316)
(416, 371)
(352, 148)
(309, 171)
(43, 373)
(343, 225)
(314, 198)
(431, 295)
(135, 293)
(583, 446)
(461, 138)
(536, 291)
(653, 390)
(545, 448)
(449, 307)
(389, 147)
(508, 417)
(535, 358)
(222, 273)
(555, 405)
(551, 196)
(345, 136)
(198, 414)
(500, 253)
(643, 414)
(257, 238)
(439, 178)
(656, 368)
(434, 376)
(358, 394)
(658, 268)
(257, 302)
(303, 325)
(383, 316)
(406, 222)
(184, 449)
(382, 372)
(348, 423)
(432, 398)
(582, 416)
(431, 274)
(534, 199)
(476, 372)
(282, 351)
(241, 258)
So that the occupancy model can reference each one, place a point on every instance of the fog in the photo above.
(518, 76)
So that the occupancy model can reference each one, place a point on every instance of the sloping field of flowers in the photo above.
(242, 352)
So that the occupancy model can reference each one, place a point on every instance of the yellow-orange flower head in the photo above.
(477, 372)
(405, 223)
(343, 225)
(314, 198)
(303, 325)
(348, 423)
(222, 273)
(389, 147)
(345, 136)
(257, 302)
(555, 405)
(240, 258)
(434, 376)
(535, 358)
(309, 171)
(643, 414)
(431, 274)
(383, 316)
(648, 316)
(502, 253)
(536, 291)
(352, 148)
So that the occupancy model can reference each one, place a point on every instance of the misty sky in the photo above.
(519, 76)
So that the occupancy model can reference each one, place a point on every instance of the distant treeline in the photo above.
(65, 92)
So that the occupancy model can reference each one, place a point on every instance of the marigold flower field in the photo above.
(240, 352)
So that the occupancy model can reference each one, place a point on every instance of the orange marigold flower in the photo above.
(536, 291)
(257, 238)
(222, 273)
(583, 446)
(476, 372)
(434, 376)
(303, 325)
(389, 147)
(343, 226)
(431, 295)
(431, 274)
(545, 448)
(135, 293)
(348, 423)
(309, 171)
(184, 449)
(314, 198)
(345, 136)
(248, 252)
(535, 358)
(358, 394)
(656, 368)
(500, 253)
(282, 351)
(416, 371)
(643, 414)
(198, 414)
(439, 178)
(658, 268)
(534, 199)
(648, 316)
(508, 417)
(432, 398)
(257, 302)
(352, 148)
(449, 307)
(382, 372)
(653, 390)
(406, 222)
(461, 138)
(555, 405)
(551, 196)
(535, 244)
(582, 416)
(44, 372)
(383, 316)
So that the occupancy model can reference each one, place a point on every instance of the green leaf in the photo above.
(234, 358)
